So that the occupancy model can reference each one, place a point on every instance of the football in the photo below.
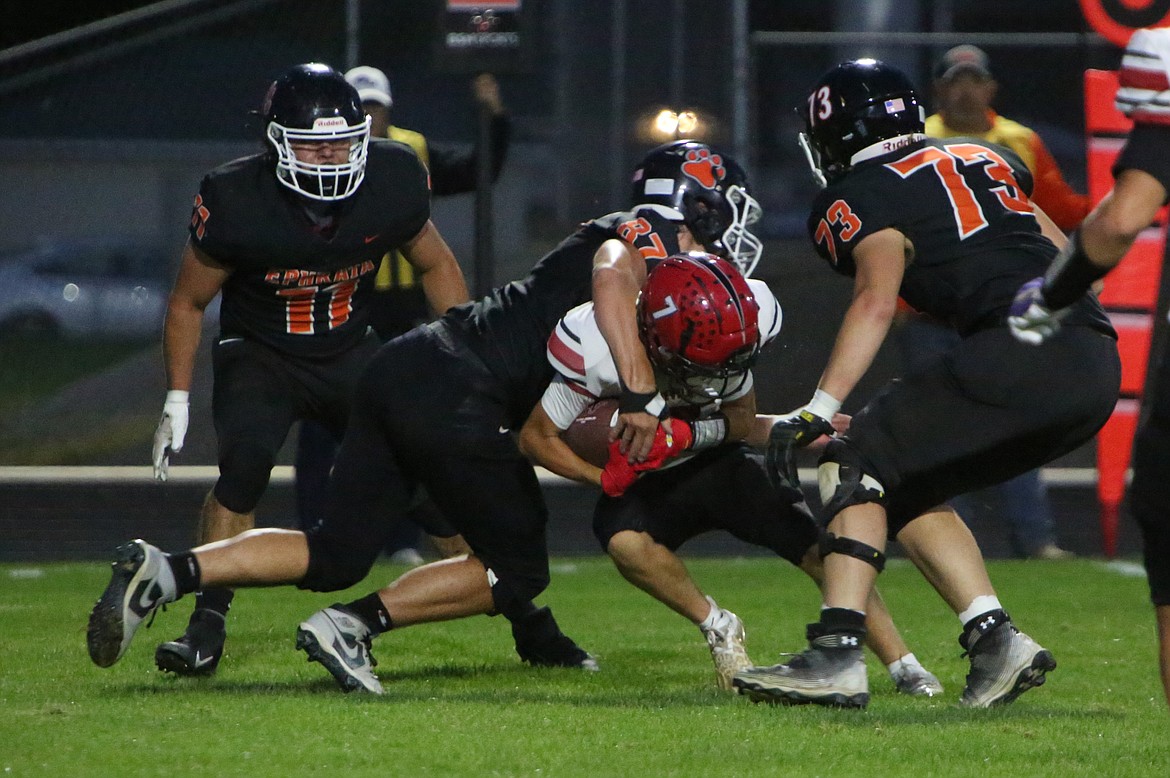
(588, 435)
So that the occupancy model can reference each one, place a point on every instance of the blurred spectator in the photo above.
(453, 171)
(964, 90)
(398, 303)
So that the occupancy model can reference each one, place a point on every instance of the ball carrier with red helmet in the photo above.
(698, 319)
(702, 325)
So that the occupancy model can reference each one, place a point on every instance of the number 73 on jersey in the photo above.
(944, 162)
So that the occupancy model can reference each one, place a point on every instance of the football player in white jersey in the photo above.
(703, 325)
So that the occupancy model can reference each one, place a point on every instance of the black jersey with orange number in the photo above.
(963, 204)
(298, 285)
(509, 329)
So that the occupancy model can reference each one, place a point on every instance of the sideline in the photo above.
(282, 475)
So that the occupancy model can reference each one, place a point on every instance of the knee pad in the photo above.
(512, 595)
(843, 481)
(831, 544)
(244, 472)
(333, 566)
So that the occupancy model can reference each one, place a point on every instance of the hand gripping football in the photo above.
(588, 435)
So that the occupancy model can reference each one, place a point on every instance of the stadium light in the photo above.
(669, 125)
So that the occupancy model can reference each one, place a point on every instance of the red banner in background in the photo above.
(1116, 20)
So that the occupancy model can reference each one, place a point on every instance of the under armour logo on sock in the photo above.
(848, 640)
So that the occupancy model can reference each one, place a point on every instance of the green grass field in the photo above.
(459, 702)
(35, 367)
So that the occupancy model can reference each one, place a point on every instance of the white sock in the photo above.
(898, 665)
(980, 605)
(715, 617)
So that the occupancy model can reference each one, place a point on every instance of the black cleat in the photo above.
(198, 651)
(540, 643)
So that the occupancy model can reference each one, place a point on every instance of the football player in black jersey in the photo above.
(291, 238)
(946, 224)
(1141, 189)
(437, 407)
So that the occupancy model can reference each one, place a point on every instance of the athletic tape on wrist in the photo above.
(708, 433)
(823, 404)
(642, 402)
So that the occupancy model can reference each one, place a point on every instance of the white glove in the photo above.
(172, 430)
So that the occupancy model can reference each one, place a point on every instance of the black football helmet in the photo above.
(853, 106)
(313, 103)
(706, 190)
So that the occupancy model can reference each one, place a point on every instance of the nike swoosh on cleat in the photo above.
(202, 661)
(145, 597)
(504, 430)
(350, 653)
(371, 238)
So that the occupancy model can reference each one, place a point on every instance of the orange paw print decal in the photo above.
(704, 167)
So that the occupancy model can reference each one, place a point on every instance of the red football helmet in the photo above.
(698, 319)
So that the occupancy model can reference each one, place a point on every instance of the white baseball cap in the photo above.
(371, 84)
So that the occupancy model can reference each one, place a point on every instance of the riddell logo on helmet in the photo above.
(900, 141)
(329, 123)
(704, 167)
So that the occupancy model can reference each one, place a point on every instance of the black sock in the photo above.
(842, 620)
(215, 599)
(372, 613)
(185, 568)
(986, 622)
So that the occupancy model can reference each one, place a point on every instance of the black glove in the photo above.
(791, 432)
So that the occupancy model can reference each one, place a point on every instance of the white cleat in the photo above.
(141, 582)
(917, 681)
(831, 672)
(727, 650)
(340, 642)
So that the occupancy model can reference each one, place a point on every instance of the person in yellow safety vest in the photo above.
(963, 91)
(453, 171)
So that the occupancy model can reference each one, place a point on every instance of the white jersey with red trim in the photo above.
(586, 371)
(1144, 93)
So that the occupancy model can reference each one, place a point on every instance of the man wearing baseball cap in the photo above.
(964, 90)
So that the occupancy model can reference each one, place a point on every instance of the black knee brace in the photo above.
(843, 481)
(831, 544)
